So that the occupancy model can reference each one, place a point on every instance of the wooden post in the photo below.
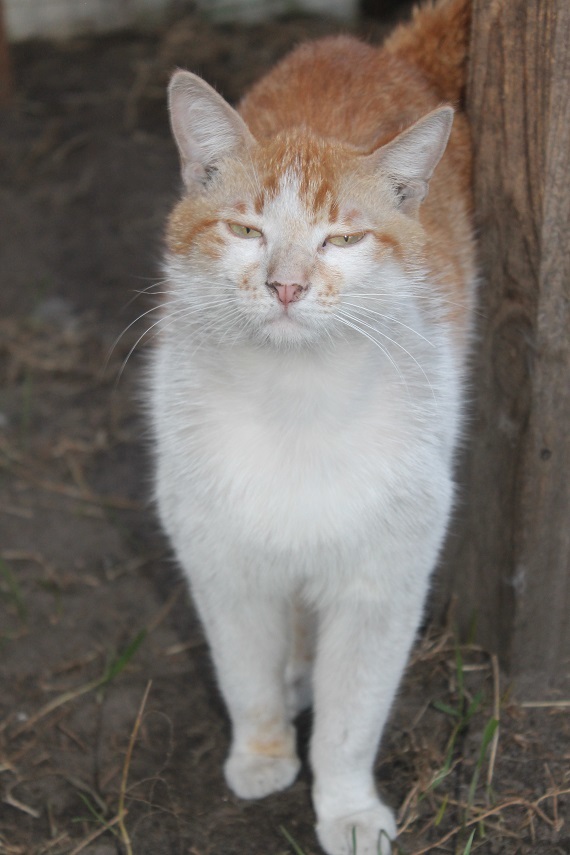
(510, 551)
(5, 66)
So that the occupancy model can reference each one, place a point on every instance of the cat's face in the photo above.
(289, 236)
(278, 240)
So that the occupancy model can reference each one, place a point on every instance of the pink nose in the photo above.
(286, 293)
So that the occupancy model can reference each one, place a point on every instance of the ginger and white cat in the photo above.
(307, 391)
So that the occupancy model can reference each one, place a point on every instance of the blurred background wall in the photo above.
(62, 18)
(26, 19)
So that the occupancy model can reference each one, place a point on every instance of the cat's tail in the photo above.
(436, 41)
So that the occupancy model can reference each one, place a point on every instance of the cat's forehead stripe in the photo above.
(308, 164)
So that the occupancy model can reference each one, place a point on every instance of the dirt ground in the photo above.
(112, 733)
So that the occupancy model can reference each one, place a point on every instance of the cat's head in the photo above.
(275, 238)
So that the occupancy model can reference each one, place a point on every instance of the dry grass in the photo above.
(451, 781)
(119, 818)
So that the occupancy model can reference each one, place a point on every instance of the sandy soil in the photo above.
(112, 733)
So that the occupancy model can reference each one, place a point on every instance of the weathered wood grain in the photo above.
(5, 65)
(508, 557)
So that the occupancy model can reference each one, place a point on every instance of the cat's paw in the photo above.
(367, 832)
(252, 776)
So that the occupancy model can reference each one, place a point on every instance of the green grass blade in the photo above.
(488, 734)
(472, 629)
(97, 816)
(118, 664)
(474, 705)
(291, 840)
(467, 849)
(448, 762)
(441, 810)
(445, 708)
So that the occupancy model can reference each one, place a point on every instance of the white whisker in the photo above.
(138, 292)
(357, 329)
(394, 342)
(181, 314)
(390, 318)
(436, 299)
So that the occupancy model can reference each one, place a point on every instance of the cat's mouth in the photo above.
(287, 316)
(288, 325)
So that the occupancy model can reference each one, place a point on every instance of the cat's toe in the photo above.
(252, 776)
(367, 832)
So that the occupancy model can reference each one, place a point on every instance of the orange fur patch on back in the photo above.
(437, 42)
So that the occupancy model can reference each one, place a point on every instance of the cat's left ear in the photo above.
(410, 159)
(205, 127)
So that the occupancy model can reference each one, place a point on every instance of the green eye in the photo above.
(244, 231)
(345, 240)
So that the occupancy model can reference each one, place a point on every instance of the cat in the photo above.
(307, 391)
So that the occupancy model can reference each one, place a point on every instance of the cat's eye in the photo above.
(244, 231)
(345, 240)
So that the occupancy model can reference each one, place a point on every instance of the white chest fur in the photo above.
(289, 450)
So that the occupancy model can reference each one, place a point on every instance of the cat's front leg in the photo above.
(249, 640)
(363, 646)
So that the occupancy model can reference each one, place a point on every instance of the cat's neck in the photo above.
(302, 386)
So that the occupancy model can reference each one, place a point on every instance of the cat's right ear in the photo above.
(410, 159)
(205, 127)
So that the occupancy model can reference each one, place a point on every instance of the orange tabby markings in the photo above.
(334, 211)
(247, 281)
(386, 243)
(270, 747)
(184, 228)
